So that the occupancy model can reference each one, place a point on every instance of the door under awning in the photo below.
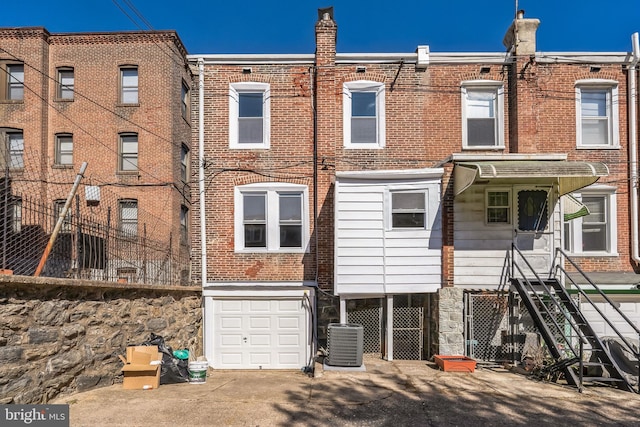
(570, 176)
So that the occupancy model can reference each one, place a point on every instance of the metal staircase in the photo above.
(569, 337)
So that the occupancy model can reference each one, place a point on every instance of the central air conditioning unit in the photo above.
(344, 344)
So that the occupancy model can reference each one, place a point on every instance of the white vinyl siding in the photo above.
(481, 247)
(372, 257)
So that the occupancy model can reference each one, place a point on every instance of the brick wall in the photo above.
(95, 117)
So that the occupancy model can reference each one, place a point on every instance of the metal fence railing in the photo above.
(86, 247)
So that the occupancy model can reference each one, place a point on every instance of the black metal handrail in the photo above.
(629, 346)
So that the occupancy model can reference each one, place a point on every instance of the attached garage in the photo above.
(258, 329)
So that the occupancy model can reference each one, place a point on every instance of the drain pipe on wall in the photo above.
(633, 145)
(201, 190)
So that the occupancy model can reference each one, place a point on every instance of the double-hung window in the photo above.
(184, 100)
(14, 143)
(64, 149)
(129, 84)
(58, 207)
(597, 114)
(66, 83)
(128, 152)
(498, 206)
(184, 224)
(482, 114)
(16, 215)
(249, 115)
(363, 114)
(15, 82)
(128, 216)
(271, 218)
(184, 163)
(408, 209)
(596, 232)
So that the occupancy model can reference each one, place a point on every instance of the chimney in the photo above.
(520, 38)
(326, 37)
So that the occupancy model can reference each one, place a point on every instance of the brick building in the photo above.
(120, 102)
(388, 189)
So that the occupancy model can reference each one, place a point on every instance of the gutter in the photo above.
(633, 146)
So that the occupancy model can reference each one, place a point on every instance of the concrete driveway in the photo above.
(395, 393)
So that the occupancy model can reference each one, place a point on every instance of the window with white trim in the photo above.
(498, 206)
(595, 233)
(363, 123)
(249, 115)
(129, 84)
(482, 114)
(408, 209)
(597, 114)
(271, 218)
(64, 149)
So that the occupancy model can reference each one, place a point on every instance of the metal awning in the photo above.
(570, 176)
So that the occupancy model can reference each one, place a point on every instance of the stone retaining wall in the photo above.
(62, 336)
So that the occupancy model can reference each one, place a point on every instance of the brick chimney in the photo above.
(521, 35)
(328, 103)
(520, 41)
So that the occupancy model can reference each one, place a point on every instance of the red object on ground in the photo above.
(455, 363)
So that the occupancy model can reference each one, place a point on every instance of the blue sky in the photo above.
(252, 26)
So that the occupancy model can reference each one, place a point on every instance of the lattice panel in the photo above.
(408, 333)
(370, 318)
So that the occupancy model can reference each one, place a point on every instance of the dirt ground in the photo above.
(399, 393)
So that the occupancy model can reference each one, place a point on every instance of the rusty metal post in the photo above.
(63, 213)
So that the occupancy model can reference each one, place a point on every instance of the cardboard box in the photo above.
(141, 368)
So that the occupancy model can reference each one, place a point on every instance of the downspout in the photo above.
(201, 190)
(633, 146)
(313, 74)
(201, 187)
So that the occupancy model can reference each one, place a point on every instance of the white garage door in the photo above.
(601, 328)
(260, 334)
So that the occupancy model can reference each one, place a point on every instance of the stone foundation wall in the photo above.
(62, 336)
(450, 321)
